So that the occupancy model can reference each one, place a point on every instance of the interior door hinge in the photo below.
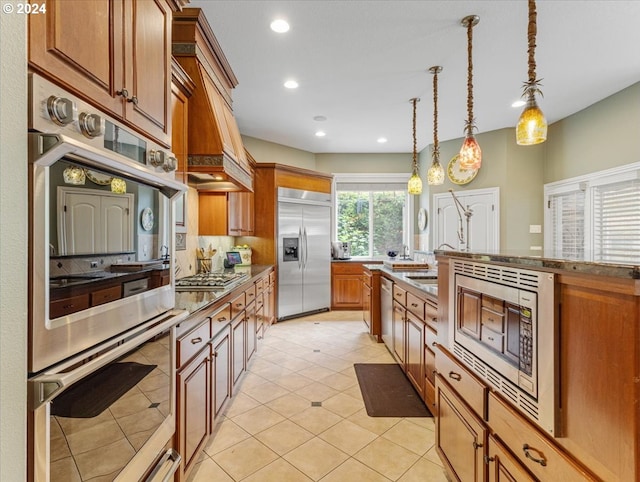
(65, 208)
(548, 203)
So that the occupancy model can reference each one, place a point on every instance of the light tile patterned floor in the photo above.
(271, 432)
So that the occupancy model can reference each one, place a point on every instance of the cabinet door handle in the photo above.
(133, 100)
(542, 461)
(455, 376)
(434, 343)
(215, 354)
(195, 341)
(123, 93)
(434, 319)
(476, 445)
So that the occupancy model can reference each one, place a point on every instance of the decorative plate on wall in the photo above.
(98, 178)
(457, 175)
(422, 219)
(146, 219)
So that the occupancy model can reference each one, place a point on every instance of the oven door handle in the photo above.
(47, 386)
(170, 455)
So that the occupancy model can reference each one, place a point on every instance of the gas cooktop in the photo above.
(209, 281)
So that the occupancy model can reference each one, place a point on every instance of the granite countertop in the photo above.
(193, 301)
(616, 270)
(425, 280)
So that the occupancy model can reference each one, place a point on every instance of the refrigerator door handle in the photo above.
(300, 249)
(306, 246)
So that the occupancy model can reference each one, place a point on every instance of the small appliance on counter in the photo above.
(341, 250)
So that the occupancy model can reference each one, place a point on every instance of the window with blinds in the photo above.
(595, 217)
(567, 217)
(616, 222)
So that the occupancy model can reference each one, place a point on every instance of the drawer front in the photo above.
(399, 295)
(272, 277)
(238, 305)
(431, 314)
(430, 365)
(259, 286)
(502, 463)
(346, 268)
(223, 315)
(430, 337)
(492, 339)
(106, 295)
(192, 342)
(430, 397)
(492, 303)
(259, 300)
(69, 305)
(470, 388)
(532, 449)
(250, 295)
(415, 305)
(492, 319)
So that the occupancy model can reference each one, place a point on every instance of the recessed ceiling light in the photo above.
(382, 140)
(291, 84)
(518, 103)
(279, 25)
(321, 134)
(320, 118)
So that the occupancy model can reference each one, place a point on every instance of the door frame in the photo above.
(438, 198)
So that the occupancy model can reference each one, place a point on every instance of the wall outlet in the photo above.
(94, 264)
(535, 228)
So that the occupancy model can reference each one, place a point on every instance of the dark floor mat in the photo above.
(93, 395)
(387, 392)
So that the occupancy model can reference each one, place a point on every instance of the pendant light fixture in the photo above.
(470, 153)
(435, 174)
(532, 125)
(415, 183)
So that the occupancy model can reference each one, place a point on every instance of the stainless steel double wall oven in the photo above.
(102, 295)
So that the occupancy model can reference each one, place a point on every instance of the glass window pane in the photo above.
(353, 221)
(388, 223)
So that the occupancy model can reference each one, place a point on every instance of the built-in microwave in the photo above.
(504, 329)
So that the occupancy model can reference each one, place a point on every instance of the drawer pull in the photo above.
(434, 343)
(455, 376)
(434, 319)
(222, 318)
(215, 354)
(542, 461)
(195, 341)
(490, 338)
(415, 305)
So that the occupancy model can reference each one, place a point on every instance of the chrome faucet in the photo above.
(166, 251)
(405, 255)
(447, 245)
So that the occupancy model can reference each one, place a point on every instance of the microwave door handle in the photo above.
(46, 387)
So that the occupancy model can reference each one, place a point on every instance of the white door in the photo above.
(116, 224)
(481, 234)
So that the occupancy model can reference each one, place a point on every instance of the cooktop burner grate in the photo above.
(209, 281)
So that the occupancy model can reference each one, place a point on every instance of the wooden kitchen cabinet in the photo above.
(461, 436)
(503, 467)
(225, 214)
(114, 54)
(238, 340)
(221, 372)
(398, 327)
(346, 286)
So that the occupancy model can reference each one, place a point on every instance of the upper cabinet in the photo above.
(217, 159)
(115, 54)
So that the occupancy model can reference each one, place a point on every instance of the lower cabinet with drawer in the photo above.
(480, 436)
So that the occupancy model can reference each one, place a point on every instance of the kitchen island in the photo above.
(596, 349)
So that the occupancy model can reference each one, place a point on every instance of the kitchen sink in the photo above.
(425, 279)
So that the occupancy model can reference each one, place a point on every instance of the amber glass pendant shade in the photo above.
(415, 184)
(532, 125)
(470, 153)
(74, 175)
(435, 174)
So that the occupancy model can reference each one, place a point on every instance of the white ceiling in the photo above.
(359, 63)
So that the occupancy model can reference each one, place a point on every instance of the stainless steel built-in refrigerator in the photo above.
(304, 252)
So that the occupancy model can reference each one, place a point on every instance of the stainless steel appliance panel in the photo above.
(304, 257)
(316, 286)
(290, 287)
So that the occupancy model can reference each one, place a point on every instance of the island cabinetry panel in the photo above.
(399, 318)
(371, 312)
(461, 436)
(414, 361)
(117, 58)
(346, 286)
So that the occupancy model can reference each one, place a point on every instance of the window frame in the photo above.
(588, 184)
(375, 178)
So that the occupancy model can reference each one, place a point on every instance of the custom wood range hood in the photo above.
(217, 160)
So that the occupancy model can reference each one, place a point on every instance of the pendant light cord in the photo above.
(436, 147)
(531, 37)
(470, 77)
(415, 145)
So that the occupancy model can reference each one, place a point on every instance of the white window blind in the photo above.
(568, 221)
(616, 222)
